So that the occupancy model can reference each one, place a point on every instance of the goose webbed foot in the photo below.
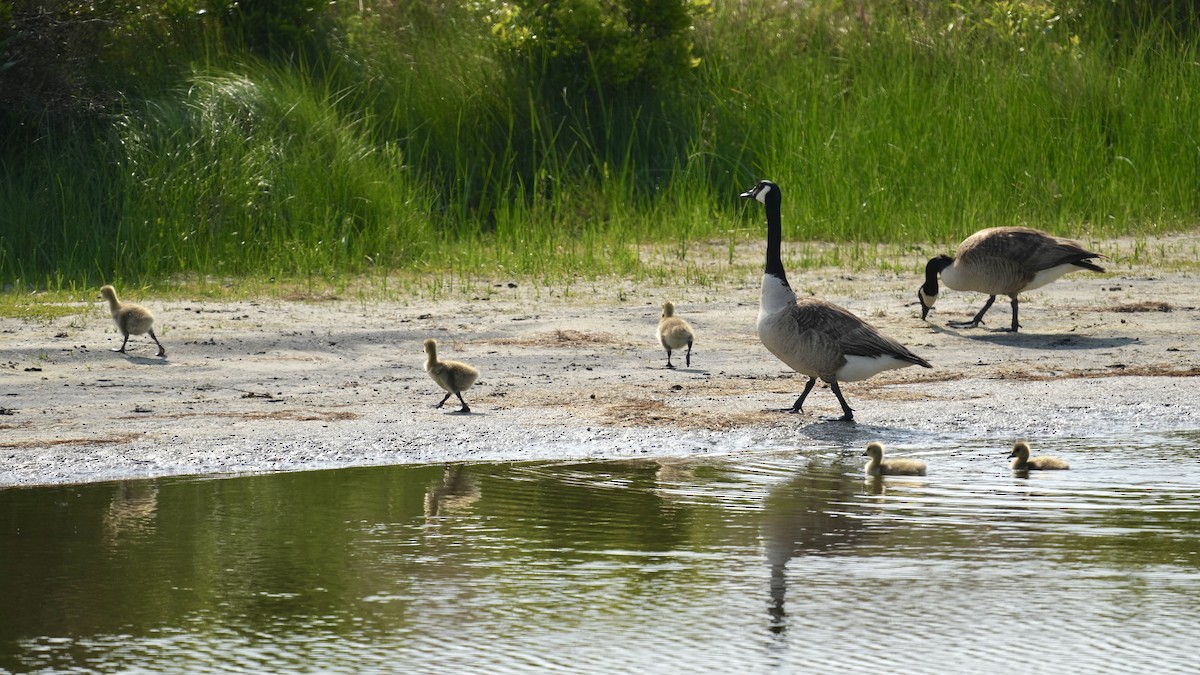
(964, 324)
(847, 412)
(798, 406)
(443, 401)
(977, 320)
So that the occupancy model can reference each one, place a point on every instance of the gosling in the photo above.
(675, 333)
(454, 377)
(131, 319)
(1023, 462)
(900, 466)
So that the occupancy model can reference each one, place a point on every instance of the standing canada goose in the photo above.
(899, 466)
(1003, 261)
(814, 337)
(131, 319)
(1023, 462)
(454, 377)
(675, 333)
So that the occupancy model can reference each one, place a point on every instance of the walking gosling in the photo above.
(675, 333)
(454, 377)
(814, 337)
(899, 466)
(131, 319)
(1003, 261)
(1023, 462)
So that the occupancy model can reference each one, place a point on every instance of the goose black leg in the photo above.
(123, 343)
(973, 323)
(689, 355)
(669, 365)
(798, 406)
(444, 399)
(1015, 325)
(847, 413)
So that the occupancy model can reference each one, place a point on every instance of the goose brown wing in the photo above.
(854, 336)
(1022, 252)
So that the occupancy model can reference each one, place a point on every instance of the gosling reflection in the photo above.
(807, 516)
(454, 493)
(132, 511)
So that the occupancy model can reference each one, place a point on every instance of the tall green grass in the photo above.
(416, 145)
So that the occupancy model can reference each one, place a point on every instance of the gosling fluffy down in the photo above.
(131, 319)
(1023, 462)
(899, 466)
(675, 333)
(454, 377)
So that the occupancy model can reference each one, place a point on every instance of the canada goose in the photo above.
(814, 337)
(131, 319)
(899, 466)
(675, 333)
(1023, 462)
(454, 377)
(1003, 261)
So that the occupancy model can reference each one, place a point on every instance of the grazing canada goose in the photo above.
(675, 333)
(1023, 462)
(131, 319)
(814, 337)
(1003, 261)
(454, 377)
(899, 466)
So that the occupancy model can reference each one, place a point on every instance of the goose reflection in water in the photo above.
(132, 512)
(809, 515)
(454, 493)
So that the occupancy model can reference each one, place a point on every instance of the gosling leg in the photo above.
(123, 342)
(689, 354)
(669, 365)
(443, 401)
(465, 408)
(973, 323)
(161, 351)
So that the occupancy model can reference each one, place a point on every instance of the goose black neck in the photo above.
(774, 264)
(932, 269)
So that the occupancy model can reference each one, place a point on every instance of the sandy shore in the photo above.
(304, 384)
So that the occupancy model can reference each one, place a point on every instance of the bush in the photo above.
(601, 44)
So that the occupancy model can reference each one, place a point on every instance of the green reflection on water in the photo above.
(283, 569)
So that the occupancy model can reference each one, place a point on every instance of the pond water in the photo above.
(779, 561)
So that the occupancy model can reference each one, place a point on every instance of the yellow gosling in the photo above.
(675, 333)
(900, 466)
(131, 319)
(454, 377)
(1023, 462)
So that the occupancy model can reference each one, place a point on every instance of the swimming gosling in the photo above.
(899, 466)
(131, 319)
(675, 333)
(1023, 462)
(814, 337)
(454, 377)
(1003, 261)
